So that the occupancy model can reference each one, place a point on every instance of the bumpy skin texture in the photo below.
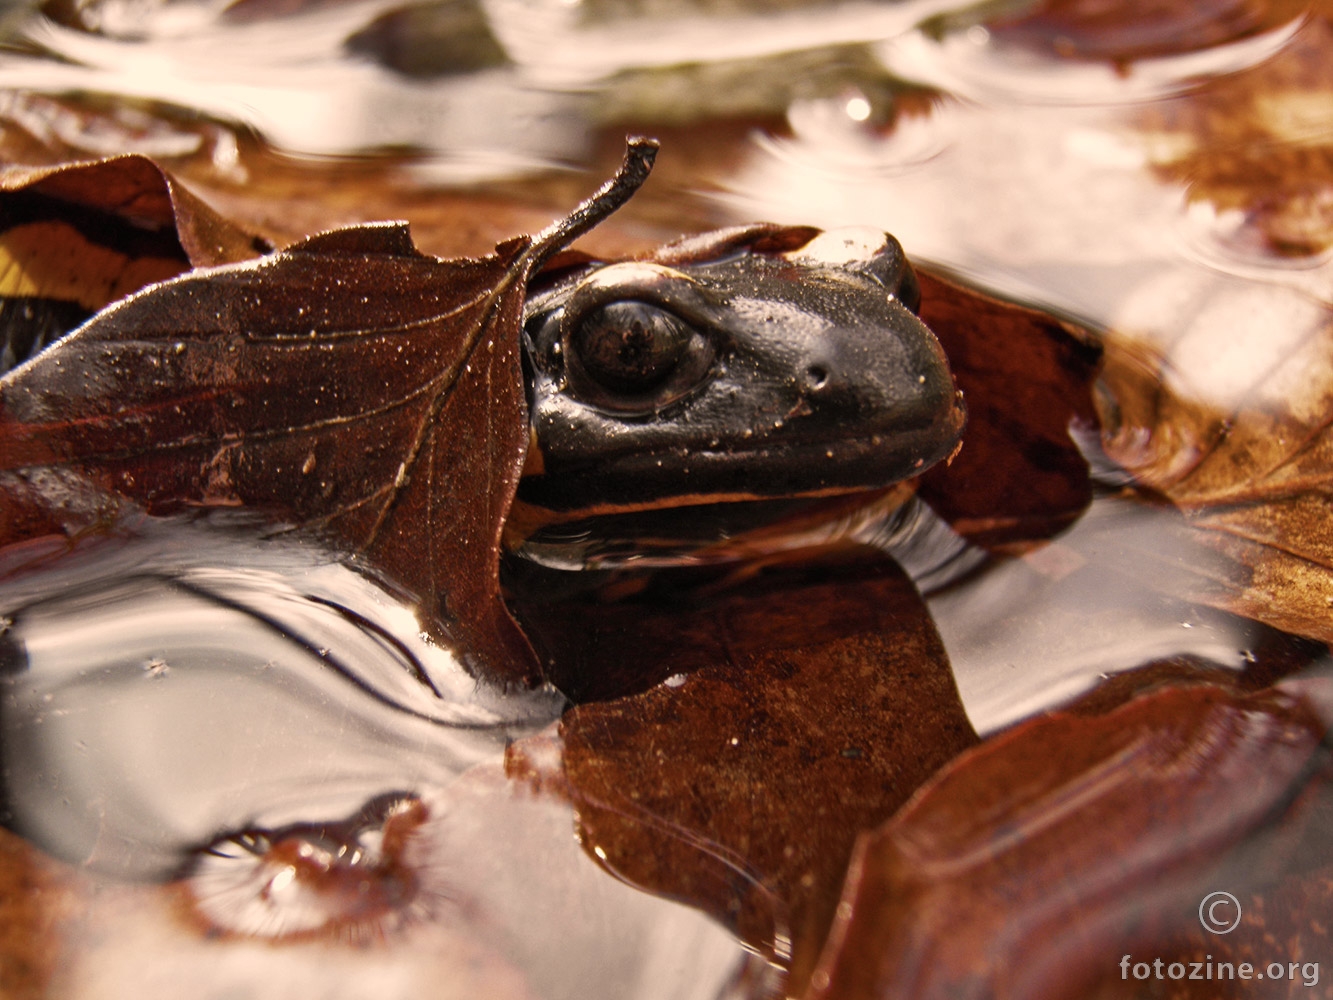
(806, 371)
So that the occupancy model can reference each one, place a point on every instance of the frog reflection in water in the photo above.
(734, 366)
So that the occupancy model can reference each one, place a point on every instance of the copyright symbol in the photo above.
(1219, 912)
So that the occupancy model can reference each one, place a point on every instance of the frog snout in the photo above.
(907, 387)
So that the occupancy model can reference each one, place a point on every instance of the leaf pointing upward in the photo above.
(349, 385)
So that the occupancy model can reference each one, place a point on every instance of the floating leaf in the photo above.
(812, 697)
(1122, 34)
(1029, 866)
(350, 386)
(1254, 476)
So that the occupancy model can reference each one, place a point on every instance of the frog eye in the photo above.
(632, 339)
(633, 347)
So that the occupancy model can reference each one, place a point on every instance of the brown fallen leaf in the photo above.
(1031, 865)
(812, 697)
(75, 238)
(349, 386)
(1254, 478)
(1027, 377)
(1123, 33)
(132, 190)
(1256, 145)
(37, 896)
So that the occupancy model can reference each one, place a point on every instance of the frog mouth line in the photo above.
(652, 481)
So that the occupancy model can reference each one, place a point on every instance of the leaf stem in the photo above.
(640, 152)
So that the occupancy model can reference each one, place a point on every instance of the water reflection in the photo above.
(162, 691)
(268, 731)
(324, 79)
(505, 905)
(980, 66)
(1102, 597)
(292, 80)
(1056, 181)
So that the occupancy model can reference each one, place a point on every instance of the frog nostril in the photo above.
(816, 377)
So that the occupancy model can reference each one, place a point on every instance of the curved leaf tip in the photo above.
(640, 154)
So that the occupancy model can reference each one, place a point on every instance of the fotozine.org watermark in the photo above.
(1220, 913)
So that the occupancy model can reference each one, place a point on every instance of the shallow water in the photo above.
(1109, 176)
(267, 729)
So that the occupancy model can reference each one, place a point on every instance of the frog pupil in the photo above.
(631, 347)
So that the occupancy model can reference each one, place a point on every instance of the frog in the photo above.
(711, 383)
(696, 391)
(376, 401)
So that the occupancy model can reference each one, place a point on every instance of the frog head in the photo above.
(746, 365)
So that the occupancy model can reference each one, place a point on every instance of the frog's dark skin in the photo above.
(752, 375)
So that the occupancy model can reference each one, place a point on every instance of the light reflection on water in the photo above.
(193, 688)
(1038, 631)
(164, 689)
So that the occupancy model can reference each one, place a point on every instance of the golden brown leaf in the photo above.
(1257, 142)
(1255, 478)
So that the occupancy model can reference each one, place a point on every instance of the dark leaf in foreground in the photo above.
(813, 698)
(1027, 377)
(1031, 865)
(349, 386)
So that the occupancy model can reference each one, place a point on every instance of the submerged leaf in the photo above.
(350, 386)
(1254, 476)
(811, 698)
(37, 896)
(1029, 866)
(1254, 149)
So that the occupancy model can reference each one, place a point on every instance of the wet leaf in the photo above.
(1124, 33)
(349, 386)
(76, 238)
(1254, 476)
(1029, 866)
(811, 698)
(1254, 146)
(134, 191)
(37, 895)
(1027, 378)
